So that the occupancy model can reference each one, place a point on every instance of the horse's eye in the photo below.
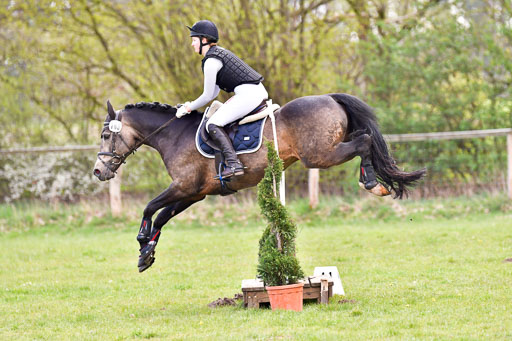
(105, 136)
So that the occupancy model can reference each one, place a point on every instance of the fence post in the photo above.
(314, 176)
(509, 168)
(116, 205)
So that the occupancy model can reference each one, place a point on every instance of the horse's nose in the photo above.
(97, 172)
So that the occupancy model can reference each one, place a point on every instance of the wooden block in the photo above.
(324, 291)
(311, 293)
(252, 284)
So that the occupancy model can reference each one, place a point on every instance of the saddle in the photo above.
(251, 133)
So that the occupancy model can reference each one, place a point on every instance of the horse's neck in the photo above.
(172, 137)
(146, 122)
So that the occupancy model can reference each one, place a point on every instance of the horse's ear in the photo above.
(111, 110)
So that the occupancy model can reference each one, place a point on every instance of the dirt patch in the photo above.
(345, 301)
(508, 260)
(226, 301)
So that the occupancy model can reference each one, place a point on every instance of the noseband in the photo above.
(111, 164)
(114, 165)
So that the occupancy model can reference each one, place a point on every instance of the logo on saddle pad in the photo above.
(246, 134)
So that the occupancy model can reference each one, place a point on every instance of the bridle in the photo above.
(114, 165)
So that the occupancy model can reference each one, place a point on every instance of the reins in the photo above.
(159, 129)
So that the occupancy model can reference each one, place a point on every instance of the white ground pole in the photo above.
(282, 194)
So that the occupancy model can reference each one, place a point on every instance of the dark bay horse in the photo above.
(320, 131)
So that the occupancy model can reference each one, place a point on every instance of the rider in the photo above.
(222, 69)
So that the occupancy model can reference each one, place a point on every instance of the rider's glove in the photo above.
(182, 111)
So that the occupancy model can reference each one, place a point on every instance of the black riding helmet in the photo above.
(204, 28)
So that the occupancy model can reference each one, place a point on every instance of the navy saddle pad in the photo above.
(247, 139)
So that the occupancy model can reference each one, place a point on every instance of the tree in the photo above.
(277, 262)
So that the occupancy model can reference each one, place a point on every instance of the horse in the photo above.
(321, 131)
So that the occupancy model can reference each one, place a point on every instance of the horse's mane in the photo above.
(155, 106)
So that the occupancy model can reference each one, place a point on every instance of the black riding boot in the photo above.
(233, 166)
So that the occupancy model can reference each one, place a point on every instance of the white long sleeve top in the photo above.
(211, 89)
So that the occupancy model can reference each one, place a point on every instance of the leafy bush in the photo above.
(48, 176)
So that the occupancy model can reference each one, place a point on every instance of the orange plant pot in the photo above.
(287, 297)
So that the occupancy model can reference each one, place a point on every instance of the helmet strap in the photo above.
(201, 45)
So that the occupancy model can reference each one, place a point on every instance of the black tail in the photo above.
(361, 118)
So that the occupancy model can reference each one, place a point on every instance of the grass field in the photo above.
(411, 270)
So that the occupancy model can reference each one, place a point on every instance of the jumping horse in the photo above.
(320, 131)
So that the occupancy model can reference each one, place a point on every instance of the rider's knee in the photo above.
(210, 127)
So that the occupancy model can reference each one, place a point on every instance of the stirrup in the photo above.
(235, 171)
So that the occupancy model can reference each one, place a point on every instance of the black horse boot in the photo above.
(233, 166)
(148, 238)
(367, 176)
(144, 232)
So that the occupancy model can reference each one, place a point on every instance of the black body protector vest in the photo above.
(234, 70)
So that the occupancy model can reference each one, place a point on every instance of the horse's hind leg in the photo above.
(346, 151)
(367, 174)
(340, 153)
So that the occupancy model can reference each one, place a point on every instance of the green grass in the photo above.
(424, 270)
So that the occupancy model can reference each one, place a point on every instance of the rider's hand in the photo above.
(183, 110)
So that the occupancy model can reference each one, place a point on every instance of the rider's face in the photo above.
(195, 43)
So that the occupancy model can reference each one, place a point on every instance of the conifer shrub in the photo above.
(277, 262)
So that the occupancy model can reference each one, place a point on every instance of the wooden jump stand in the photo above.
(315, 287)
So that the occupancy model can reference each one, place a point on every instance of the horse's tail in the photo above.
(361, 119)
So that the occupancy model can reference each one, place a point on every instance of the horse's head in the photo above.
(118, 141)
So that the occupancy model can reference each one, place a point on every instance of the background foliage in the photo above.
(424, 65)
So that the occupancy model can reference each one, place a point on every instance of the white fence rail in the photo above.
(115, 192)
(49, 149)
(449, 135)
(458, 135)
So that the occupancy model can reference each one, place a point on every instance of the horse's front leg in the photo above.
(176, 202)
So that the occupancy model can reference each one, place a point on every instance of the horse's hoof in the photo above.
(147, 256)
(378, 190)
(146, 265)
(370, 185)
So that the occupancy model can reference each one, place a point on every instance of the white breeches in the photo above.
(247, 97)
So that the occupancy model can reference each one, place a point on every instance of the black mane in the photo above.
(156, 106)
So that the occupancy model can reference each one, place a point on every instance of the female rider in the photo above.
(222, 69)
